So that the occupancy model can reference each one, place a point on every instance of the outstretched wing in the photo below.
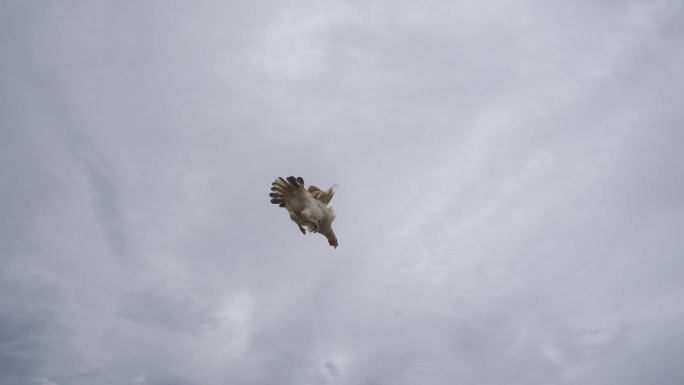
(291, 194)
(284, 191)
(323, 196)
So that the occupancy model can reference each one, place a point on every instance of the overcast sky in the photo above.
(510, 207)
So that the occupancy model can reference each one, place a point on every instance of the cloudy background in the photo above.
(510, 205)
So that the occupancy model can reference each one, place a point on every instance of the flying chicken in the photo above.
(307, 207)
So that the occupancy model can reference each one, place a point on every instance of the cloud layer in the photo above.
(509, 207)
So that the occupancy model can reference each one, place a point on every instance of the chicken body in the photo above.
(307, 208)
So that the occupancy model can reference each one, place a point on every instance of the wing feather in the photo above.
(323, 196)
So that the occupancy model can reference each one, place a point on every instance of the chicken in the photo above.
(307, 207)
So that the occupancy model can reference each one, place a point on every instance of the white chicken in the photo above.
(307, 207)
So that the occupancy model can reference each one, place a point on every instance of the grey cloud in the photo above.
(164, 309)
(508, 208)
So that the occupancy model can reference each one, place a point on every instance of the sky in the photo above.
(509, 211)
